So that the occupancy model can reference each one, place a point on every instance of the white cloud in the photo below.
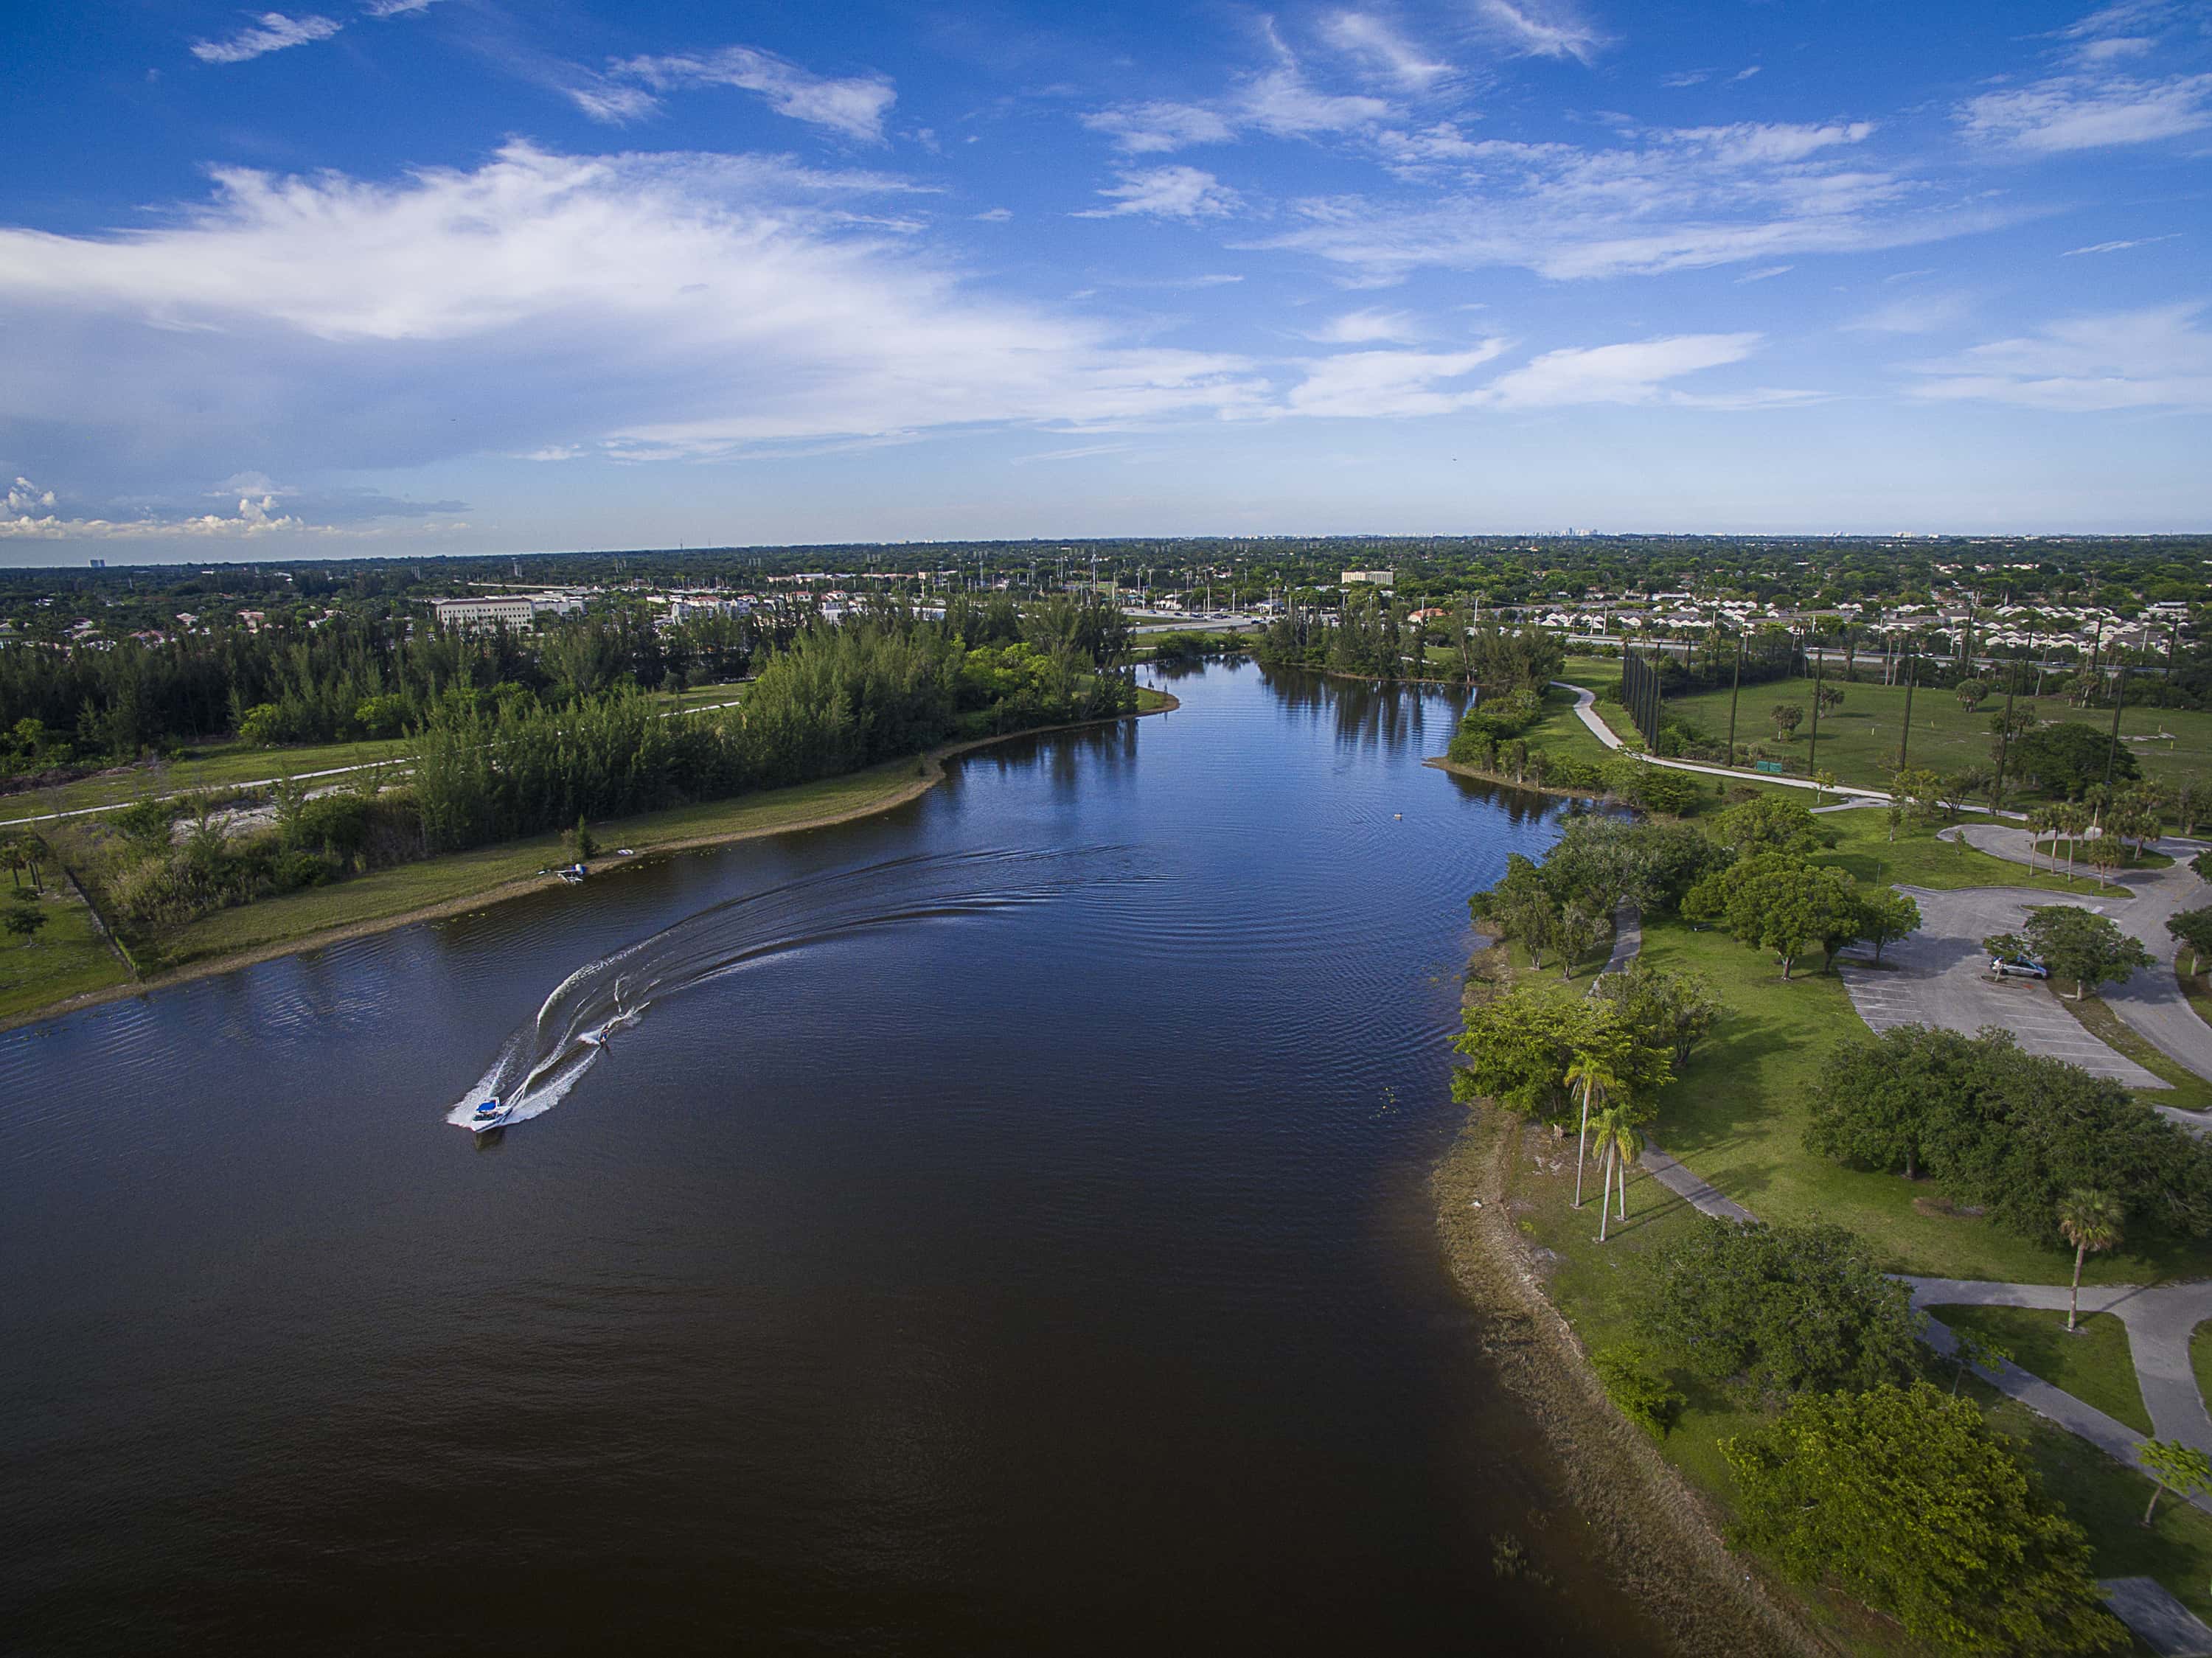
(1765, 272)
(1914, 313)
(1369, 39)
(1630, 372)
(399, 8)
(1276, 101)
(610, 103)
(1752, 143)
(1666, 201)
(1370, 385)
(2154, 358)
(25, 497)
(2116, 248)
(2083, 111)
(271, 32)
(853, 107)
(1366, 327)
(1539, 28)
(1167, 193)
(994, 216)
(1156, 128)
(659, 306)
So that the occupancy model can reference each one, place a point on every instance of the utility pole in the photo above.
(1813, 763)
(2119, 702)
(2004, 739)
(1912, 663)
(1736, 687)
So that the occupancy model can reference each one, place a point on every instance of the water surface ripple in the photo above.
(998, 1226)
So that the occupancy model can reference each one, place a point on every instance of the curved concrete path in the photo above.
(2151, 1001)
(1586, 711)
(2159, 1319)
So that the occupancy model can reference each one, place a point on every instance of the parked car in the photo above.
(2017, 967)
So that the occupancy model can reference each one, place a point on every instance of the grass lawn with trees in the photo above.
(1859, 740)
(2092, 1363)
(1597, 1287)
(67, 957)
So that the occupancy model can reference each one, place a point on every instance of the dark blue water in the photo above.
(1004, 1229)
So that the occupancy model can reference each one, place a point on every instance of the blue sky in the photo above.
(419, 276)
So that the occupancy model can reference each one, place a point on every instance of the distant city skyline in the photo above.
(415, 277)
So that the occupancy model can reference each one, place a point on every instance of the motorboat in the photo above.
(492, 1113)
(574, 874)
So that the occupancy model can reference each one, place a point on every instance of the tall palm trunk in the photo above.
(2074, 1296)
(1624, 1186)
(1602, 1211)
(1582, 1140)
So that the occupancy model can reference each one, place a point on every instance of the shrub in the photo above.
(1634, 1381)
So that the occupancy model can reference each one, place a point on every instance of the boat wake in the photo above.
(601, 1001)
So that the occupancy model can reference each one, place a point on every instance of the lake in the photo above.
(1001, 1224)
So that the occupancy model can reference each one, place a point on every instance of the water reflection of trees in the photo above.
(1365, 715)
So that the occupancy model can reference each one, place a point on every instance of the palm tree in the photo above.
(1595, 1077)
(1617, 1143)
(2091, 1221)
(2042, 821)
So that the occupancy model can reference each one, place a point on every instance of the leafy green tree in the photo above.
(24, 921)
(2087, 948)
(1773, 901)
(2193, 927)
(2091, 1223)
(2194, 803)
(1876, 1100)
(1889, 916)
(1972, 693)
(2172, 1467)
(1663, 1005)
(1920, 793)
(1975, 1352)
(1904, 1499)
(1519, 1047)
(1769, 822)
(1634, 1380)
(1520, 907)
(2068, 759)
(1785, 1307)
(1786, 717)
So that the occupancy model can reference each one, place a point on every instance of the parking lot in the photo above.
(1939, 976)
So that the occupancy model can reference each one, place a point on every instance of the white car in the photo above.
(2017, 967)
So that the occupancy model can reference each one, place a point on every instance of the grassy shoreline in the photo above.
(463, 882)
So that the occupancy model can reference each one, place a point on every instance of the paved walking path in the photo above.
(1586, 710)
(2159, 1319)
(2151, 1002)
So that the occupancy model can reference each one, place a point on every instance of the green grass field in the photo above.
(1859, 739)
(1596, 1286)
(1737, 1115)
(2094, 1363)
(228, 764)
(66, 959)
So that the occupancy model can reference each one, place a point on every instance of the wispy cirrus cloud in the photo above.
(1166, 192)
(1539, 28)
(2120, 246)
(1666, 200)
(1278, 101)
(2157, 357)
(272, 31)
(852, 107)
(1373, 42)
(2069, 112)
